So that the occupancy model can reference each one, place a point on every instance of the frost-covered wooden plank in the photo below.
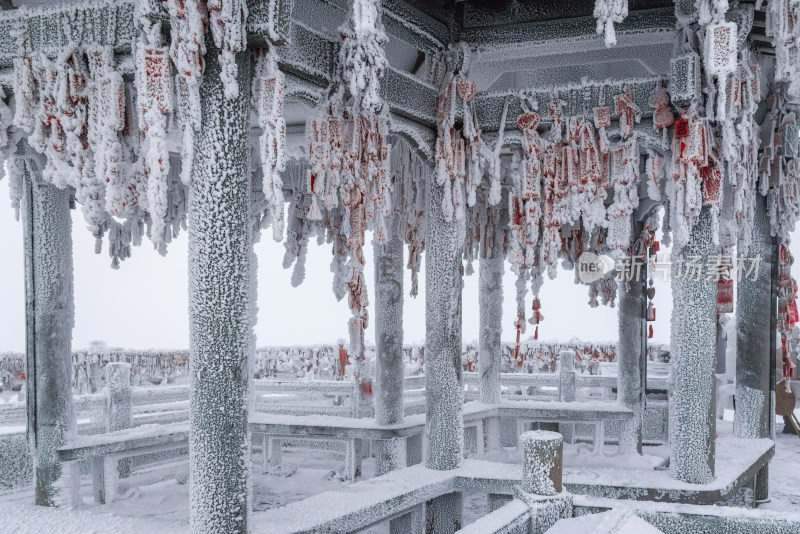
(358, 505)
(509, 519)
(338, 427)
(682, 518)
(321, 386)
(124, 441)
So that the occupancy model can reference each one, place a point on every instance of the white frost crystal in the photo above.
(608, 12)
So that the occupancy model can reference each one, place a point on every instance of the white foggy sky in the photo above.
(144, 303)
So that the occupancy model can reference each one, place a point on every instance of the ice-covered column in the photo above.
(48, 324)
(219, 305)
(389, 326)
(490, 298)
(755, 339)
(754, 301)
(444, 242)
(390, 368)
(693, 345)
(632, 361)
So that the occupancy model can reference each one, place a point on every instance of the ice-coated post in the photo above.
(390, 368)
(119, 395)
(566, 376)
(490, 348)
(693, 344)
(49, 318)
(632, 359)
(220, 246)
(444, 244)
(754, 325)
(490, 298)
(542, 462)
(756, 339)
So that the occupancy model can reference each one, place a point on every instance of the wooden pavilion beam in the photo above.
(489, 106)
(552, 31)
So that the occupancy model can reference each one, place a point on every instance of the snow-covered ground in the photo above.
(164, 506)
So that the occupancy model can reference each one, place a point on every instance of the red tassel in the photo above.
(650, 332)
(536, 332)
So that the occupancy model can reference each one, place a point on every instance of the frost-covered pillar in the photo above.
(49, 320)
(490, 299)
(693, 344)
(755, 339)
(390, 368)
(219, 305)
(444, 242)
(632, 361)
(754, 303)
(389, 326)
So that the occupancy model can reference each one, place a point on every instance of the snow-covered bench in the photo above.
(276, 428)
(525, 412)
(106, 450)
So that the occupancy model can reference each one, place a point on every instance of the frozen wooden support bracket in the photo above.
(220, 293)
(49, 318)
(444, 245)
(693, 343)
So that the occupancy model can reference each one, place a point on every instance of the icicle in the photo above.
(267, 94)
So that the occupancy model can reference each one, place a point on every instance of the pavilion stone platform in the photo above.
(468, 130)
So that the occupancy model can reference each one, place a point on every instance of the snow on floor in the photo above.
(162, 507)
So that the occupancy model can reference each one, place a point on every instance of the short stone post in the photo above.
(119, 397)
(567, 389)
(541, 488)
(542, 459)
(119, 405)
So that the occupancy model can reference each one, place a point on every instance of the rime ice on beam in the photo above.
(219, 304)
(444, 242)
(49, 322)
(389, 338)
(693, 342)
